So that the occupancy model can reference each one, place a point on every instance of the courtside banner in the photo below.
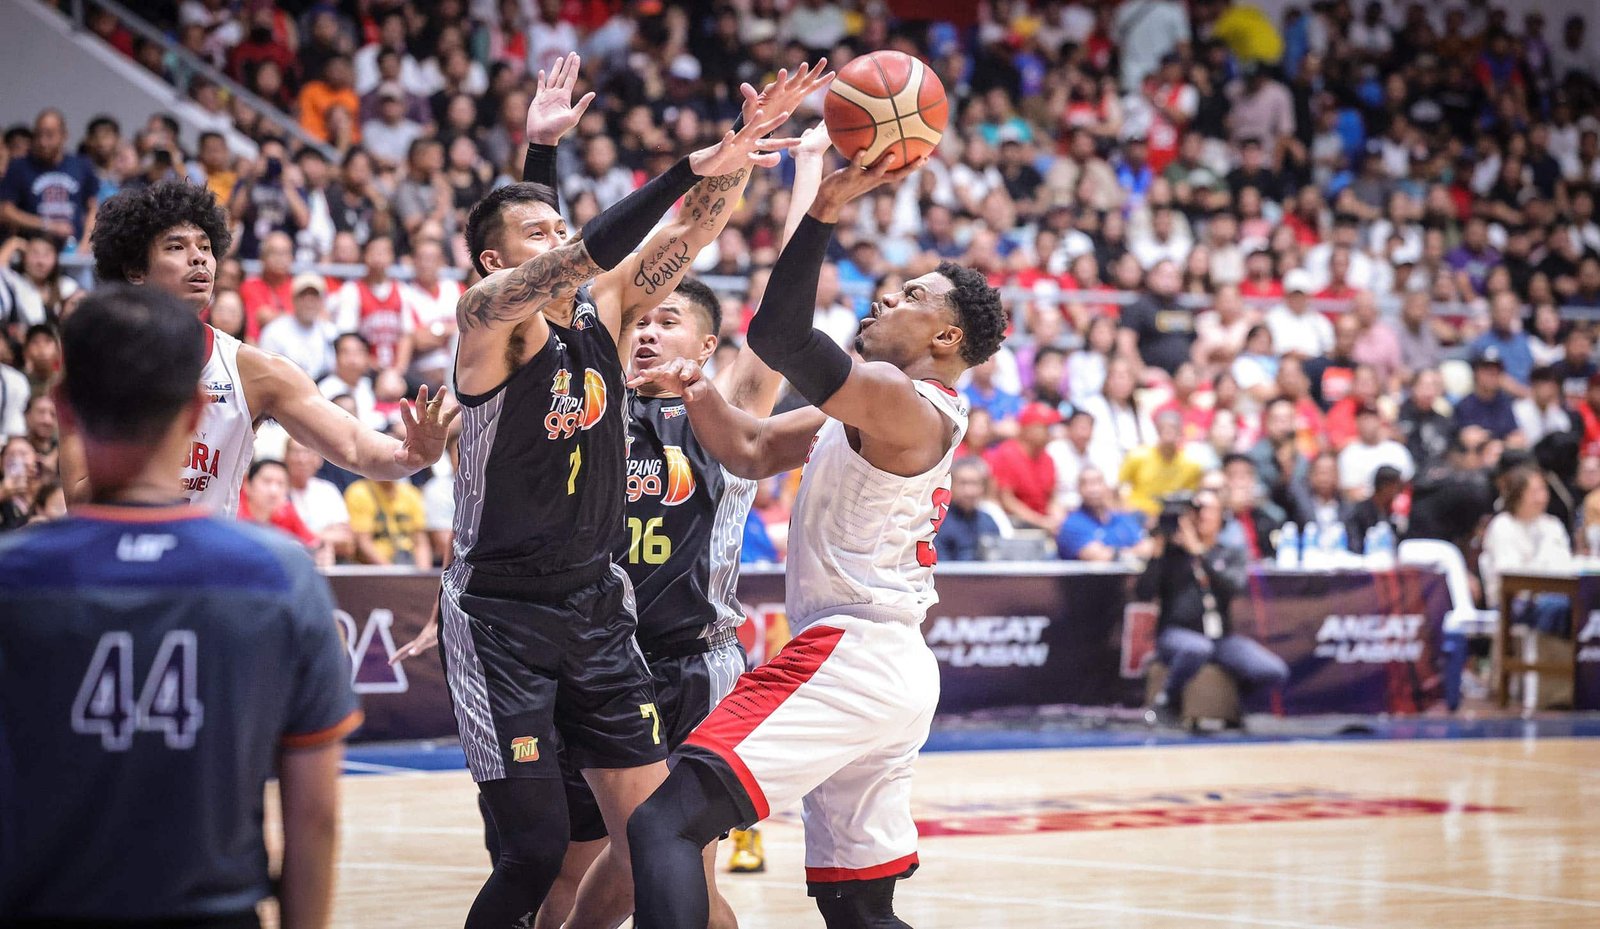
(379, 610)
(1586, 683)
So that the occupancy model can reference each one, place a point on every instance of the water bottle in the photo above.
(1289, 546)
(1380, 547)
(1335, 541)
(1309, 547)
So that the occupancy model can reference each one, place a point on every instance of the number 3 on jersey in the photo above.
(927, 555)
(169, 702)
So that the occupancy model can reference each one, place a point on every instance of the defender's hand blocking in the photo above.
(551, 113)
(787, 91)
(427, 427)
(853, 181)
(682, 376)
(745, 147)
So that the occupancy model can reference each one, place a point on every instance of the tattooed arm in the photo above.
(489, 312)
(649, 275)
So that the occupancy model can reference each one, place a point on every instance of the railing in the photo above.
(138, 26)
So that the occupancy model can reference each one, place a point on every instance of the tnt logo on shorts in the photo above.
(524, 749)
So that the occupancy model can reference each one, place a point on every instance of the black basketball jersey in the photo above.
(686, 518)
(540, 481)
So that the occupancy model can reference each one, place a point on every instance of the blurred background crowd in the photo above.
(1338, 265)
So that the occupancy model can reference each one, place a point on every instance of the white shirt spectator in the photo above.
(1359, 462)
(1117, 431)
(389, 142)
(365, 63)
(820, 26)
(549, 43)
(1509, 543)
(20, 300)
(1146, 30)
(1360, 276)
(1535, 423)
(439, 503)
(310, 347)
(320, 505)
(608, 188)
(1070, 464)
(1086, 375)
(1308, 334)
(1149, 250)
(425, 310)
(361, 391)
(14, 393)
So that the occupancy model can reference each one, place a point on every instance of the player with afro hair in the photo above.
(134, 227)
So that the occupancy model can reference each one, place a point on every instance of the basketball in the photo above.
(889, 105)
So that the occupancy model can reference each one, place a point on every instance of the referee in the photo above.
(157, 665)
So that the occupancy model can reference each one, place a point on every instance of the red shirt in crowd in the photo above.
(1267, 288)
(284, 518)
(257, 295)
(1031, 478)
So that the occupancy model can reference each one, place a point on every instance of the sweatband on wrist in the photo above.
(539, 165)
(613, 235)
(781, 333)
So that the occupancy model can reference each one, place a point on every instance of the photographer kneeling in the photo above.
(1193, 579)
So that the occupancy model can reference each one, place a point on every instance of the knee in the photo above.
(1267, 671)
(533, 851)
(1197, 649)
(652, 823)
(859, 905)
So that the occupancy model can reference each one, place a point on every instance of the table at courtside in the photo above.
(1579, 581)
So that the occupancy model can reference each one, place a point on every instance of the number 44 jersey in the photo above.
(861, 539)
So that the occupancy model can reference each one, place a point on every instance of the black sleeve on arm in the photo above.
(539, 166)
(781, 333)
(613, 235)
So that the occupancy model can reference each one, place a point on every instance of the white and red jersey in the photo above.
(225, 438)
(378, 313)
(861, 539)
(426, 307)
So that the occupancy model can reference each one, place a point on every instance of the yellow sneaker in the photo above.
(747, 858)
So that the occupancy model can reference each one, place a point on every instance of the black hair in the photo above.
(168, 121)
(704, 299)
(33, 401)
(260, 463)
(1237, 458)
(355, 152)
(1386, 476)
(129, 223)
(36, 330)
(101, 121)
(979, 312)
(132, 357)
(18, 131)
(1046, 352)
(341, 337)
(484, 224)
(1544, 373)
(209, 135)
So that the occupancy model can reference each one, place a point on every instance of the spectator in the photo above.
(1421, 335)
(15, 393)
(333, 90)
(37, 293)
(268, 296)
(389, 135)
(1452, 499)
(1296, 328)
(47, 190)
(431, 305)
(267, 199)
(1120, 423)
(389, 523)
(1474, 257)
(1154, 327)
(356, 203)
(374, 307)
(1331, 374)
(982, 393)
(264, 501)
(1222, 331)
(601, 176)
(1253, 521)
(1377, 507)
(1162, 468)
(439, 502)
(304, 336)
(1524, 535)
(1317, 499)
(1424, 423)
(424, 196)
(1024, 473)
(1193, 578)
(1509, 339)
(1096, 530)
(41, 357)
(1371, 450)
(1086, 367)
(39, 421)
(1543, 411)
(318, 503)
(1376, 342)
(1489, 405)
(967, 524)
(392, 37)
(21, 482)
(216, 165)
(1277, 454)
(1145, 32)
(352, 365)
(1076, 452)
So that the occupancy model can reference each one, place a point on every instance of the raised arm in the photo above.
(284, 392)
(876, 398)
(746, 445)
(650, 275)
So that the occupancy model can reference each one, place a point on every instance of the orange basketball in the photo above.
(889, 104)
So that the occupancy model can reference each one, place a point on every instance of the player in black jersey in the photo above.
(537, 621)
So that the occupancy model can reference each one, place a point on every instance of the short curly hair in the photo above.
(131, 220)
(981, 315)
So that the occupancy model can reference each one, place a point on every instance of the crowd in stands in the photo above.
(1332, 267)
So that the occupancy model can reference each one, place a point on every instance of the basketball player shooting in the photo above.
(837, 717)
(168, 237)
(533, 611)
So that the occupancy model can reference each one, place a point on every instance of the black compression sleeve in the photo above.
(539, 165)
(614, 234)
(781, 333)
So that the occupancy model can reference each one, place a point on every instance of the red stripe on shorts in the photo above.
(835, 875)
(757, 696)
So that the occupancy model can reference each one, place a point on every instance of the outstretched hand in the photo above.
(551, 113)
(427, 425)
(787, 91)
(738, 150)
(855, 180)
(814, 142)
(677, 377)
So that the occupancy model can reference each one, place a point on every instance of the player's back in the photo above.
(861, 539)
(153, 661)
(539, 489)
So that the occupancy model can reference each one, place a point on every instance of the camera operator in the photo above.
(1193, 577)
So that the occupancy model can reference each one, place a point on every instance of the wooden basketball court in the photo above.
(1294, 834)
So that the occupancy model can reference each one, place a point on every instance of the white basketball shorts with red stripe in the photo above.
(836, 719)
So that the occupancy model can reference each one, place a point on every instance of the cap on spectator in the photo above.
(1297, 281)
(685, 67)
(391, 90)
(1488, 358)
(1038, 414)
(306, 280)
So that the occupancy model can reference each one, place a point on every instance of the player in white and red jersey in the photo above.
(168, 236)
(837, 717)
(375, 306)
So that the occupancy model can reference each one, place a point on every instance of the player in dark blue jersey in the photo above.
(537, 622)
(157, 665)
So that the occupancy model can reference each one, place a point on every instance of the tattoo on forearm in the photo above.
(724, 182)
(659, 270)
(527, 288)
(709, 199)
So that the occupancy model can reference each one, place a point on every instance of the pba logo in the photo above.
(569, 414)
(1589, 639)
(372, 648)
(217, 391)
(524, 749)
(645, 477)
